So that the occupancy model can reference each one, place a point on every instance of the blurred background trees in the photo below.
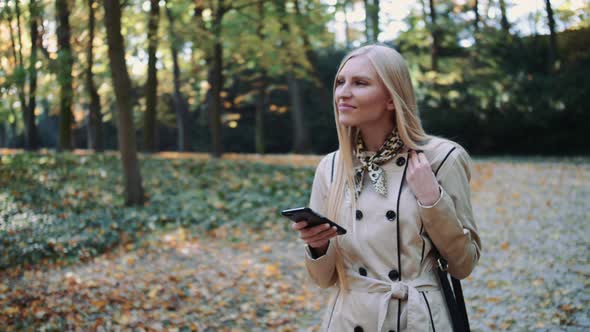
(256, 75)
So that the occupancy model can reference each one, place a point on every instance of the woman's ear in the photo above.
(390, 105)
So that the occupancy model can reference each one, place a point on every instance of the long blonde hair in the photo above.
(393, 72)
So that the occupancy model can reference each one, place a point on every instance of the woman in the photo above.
(400, 193)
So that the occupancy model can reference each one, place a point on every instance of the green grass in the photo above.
(65, 207)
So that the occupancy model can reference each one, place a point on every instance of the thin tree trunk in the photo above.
(347, 37)
(66, 62)
(301, 142)
(371, 20)
(216, 85)
(553, 52)
(95, 141)
(150, 116)
(504, 19)
(122, 86)
(261, 86)
(31, 132)
(477, 18)
(434, 31)
(179, 103)
(20, 74)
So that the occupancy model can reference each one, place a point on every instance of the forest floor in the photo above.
(534, 272)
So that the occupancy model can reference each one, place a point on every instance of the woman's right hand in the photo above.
(317, 237)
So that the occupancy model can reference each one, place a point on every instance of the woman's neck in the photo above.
(375, 136)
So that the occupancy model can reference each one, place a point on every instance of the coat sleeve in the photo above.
(322, 270)
(450, 223)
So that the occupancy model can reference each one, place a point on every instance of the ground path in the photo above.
(534, 273)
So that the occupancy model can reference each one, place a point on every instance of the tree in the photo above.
(553, 53)
(343, 6)
(261, 86)
(122, 86)
(66, 62)
(371, 20)
(20, 74)
(179, 103)
(94, 132)
(151, 88)
(435, 34)
(476, 12)
(504, 19)
(301, 142)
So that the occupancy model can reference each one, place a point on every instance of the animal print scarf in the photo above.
(372, 163)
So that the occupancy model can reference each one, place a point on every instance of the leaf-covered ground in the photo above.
(169, 266)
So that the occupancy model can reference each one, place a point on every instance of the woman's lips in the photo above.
(345, 107)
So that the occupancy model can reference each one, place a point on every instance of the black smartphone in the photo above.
(313, 218)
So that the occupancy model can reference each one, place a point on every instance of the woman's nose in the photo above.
(344, 91)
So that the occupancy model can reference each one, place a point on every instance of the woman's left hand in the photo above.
(421, 179)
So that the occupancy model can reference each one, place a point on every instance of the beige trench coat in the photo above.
(389, 256)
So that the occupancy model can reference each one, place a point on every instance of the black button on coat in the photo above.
(390, 215)
(362, 271)
(359, 214)
(394, 275)
(401, 161)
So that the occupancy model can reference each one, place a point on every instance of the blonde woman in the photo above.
(400, 193)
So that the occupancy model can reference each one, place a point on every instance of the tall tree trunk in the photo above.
(261, 87)
(301, 142)
(179, 103)
(20, 75)
(66, 62)
(203, 110)
(434, 31)
(216, 80)
(504, 19)
(372, 20)
(476, 12)
(344, 6)
(31, 139)
(122, 86)
(151, 87)
(95, 141)
(553, 53)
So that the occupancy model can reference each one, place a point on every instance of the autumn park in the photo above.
(148, 147)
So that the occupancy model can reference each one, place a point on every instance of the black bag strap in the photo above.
(453, 296)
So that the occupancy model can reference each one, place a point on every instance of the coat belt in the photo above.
(418, 313)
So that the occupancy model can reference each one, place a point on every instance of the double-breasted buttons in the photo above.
(362, 271)
(359, 214)
(390, 215)
(394, 275)
(358, 329)
(391, 330)
(401, 161)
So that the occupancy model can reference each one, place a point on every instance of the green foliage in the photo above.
(65, 206)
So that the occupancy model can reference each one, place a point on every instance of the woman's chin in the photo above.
(346, 120)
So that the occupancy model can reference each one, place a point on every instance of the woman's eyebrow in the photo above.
(366, 78)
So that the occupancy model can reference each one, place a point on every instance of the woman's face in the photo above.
(362, 100)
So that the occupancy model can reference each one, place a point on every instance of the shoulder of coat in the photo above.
(438, 150)
(325, 164)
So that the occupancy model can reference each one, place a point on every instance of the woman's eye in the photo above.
(339, 82)
(361, 83)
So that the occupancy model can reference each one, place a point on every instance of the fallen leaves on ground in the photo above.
(533, 273)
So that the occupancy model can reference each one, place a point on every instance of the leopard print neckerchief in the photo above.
(372, 163)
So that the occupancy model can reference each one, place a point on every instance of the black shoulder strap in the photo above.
(332, 174)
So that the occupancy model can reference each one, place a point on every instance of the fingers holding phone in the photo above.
(316, 236)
